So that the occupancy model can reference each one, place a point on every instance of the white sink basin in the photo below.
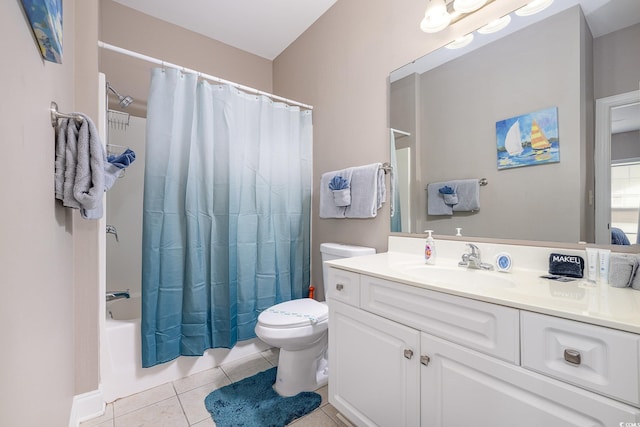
(453, 275)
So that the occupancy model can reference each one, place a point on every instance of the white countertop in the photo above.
(580, 300)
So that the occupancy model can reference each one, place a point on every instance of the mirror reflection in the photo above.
(445, 106)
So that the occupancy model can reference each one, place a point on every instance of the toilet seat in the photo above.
(294, 314)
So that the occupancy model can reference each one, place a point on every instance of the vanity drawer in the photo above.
(489, 328)
(343, 286)
(594, 357)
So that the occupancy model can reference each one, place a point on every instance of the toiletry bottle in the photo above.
(603, 262)
(429, 249)
(592, 264)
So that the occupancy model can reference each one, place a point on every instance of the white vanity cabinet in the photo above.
(376, 376)
(402, 355)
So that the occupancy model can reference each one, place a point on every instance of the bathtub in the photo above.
(121, 368)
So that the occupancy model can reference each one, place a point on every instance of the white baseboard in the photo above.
(86, 406)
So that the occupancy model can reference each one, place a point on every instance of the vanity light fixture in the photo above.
(534, 7)
(440, 13)
(468, 6)
(461, 42)
(436, 18)
(495, 25)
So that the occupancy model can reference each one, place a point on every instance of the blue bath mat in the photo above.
(252, 402)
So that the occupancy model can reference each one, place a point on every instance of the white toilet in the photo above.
(299, 329)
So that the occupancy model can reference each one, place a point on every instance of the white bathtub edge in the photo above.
(87, 406)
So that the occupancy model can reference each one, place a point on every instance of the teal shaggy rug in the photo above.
(252, 402)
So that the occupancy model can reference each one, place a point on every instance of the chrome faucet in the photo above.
(114, 295)
(473, 259)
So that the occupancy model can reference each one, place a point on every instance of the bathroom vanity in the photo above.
(411, 344)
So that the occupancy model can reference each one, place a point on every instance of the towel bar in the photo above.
(55, 115)
(386, 167)
(481, 181)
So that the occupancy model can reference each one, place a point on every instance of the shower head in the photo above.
(124, 101)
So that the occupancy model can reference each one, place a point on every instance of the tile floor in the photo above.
(181, 403)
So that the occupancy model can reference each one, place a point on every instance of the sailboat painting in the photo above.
(529, 139)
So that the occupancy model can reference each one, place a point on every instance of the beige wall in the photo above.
(617, 62)
(341, 66)
(127, 28)
(37, 271)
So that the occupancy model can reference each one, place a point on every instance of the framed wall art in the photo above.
(529, 139)
(45, 18)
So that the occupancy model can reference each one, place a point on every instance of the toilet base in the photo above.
(302, 370)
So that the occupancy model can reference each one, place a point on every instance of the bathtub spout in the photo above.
(114, 295)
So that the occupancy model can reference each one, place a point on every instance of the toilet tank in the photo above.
(330, 251)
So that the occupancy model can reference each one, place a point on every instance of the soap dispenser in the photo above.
(429, 249)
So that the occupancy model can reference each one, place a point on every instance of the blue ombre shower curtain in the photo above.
(226, 222)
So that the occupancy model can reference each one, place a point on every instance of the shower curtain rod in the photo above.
(153, 60)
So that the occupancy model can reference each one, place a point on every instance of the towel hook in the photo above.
(55, 115)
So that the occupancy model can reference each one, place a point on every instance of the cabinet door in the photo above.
(374, 374)
(461, 387)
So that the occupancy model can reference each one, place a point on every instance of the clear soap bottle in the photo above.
(429, 249)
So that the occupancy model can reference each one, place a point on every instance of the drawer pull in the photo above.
(425, 360)
(408, 353)
(572, 356)
(339, 286)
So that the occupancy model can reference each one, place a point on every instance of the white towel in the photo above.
(435, 200)
(328, 208)
(61, 147)
(70, 162)
(88, 187)
(468, 191)
(368, 191)
(80, 166)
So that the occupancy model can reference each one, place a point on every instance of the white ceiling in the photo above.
(262, 27)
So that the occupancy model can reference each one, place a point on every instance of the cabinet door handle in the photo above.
(425, 360)
(572, 356)
(408, 353)
(339, 286)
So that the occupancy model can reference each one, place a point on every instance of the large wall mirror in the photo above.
(444, 108)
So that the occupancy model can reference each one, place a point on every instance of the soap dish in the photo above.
(503, 262)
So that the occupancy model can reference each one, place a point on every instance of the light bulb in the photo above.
(461, 42)
(495, 26)
(468, 6)
(534, 7)
(436, 17)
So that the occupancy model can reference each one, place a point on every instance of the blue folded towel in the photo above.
(446, 190)
(122, 160)
(338, 183)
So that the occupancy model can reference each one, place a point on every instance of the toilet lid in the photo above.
(294, 313)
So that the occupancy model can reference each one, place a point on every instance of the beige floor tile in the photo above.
(210, 376)
(102, 420)
(193, 402)
(324, 394)
(332, 412)
(245, 367)
(317, 418)
(206, 423)
(140, 400)
(271, 355)
(167, 413)
(108, 423)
